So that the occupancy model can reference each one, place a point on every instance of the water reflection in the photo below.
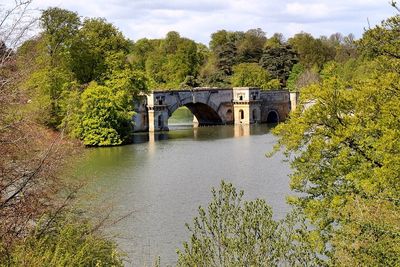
(187, 131)
(241, 130)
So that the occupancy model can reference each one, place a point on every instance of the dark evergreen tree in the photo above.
(278, 61)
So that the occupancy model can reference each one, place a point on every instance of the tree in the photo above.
(59, 26)
(312, 52)
(51, 74)
(347, 49)
(249, 48)
(276, 40)
(168, 62)
(232, 232)
(223, 46)
(95, 41)
(294, 75)
(251, 74)
(278, 61)
(382, 40)
(105, 116)
(140, 52)
(346, 153)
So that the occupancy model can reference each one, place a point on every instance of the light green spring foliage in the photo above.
(167, 62)
(251, 74)
(346, 149)
(68, 243)
(297, 70)
(233, 232)
(103, 115)
(67, 59)
(99, 117)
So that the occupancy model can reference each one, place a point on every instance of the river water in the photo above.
(162, 178)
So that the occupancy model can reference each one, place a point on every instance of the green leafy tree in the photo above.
(52, 75)
(278, 61)
(99, 117)
(95, 41)
(311, 51)
(232, 232)
(383, 40)
(294, 75)
(59, 26)
(223, 45)
(346, 153)
(171, 60)
(276, 40)
(251, 74)
(140, 52)
(250, 47)
(105, 116)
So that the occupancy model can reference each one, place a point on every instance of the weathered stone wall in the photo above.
(275, 101)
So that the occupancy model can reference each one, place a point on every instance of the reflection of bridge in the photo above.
(213, 106)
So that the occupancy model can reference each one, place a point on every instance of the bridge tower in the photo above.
(246, 105)
(157, 113)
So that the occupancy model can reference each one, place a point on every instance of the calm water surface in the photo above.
(163, 178)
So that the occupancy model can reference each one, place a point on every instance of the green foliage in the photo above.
(232, 232)
(249, 48)
(383, 39)
(65, 59)
(47, 86)
(68, 243)
(104, 117)
(60, 26)
(168, 62)
(294, 75)
(311, 51)
(276, 40)
(140, 52)
(278, 61)
(252, 75)
(346, 153)
(98, 49)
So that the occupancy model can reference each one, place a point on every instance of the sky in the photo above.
(197, 20)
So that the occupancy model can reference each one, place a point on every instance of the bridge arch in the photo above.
(204, 113)
(273, 116)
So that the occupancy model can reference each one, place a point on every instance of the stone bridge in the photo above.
(213, 106)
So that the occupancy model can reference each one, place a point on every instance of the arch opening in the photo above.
(204, 114)
(272, 117)
(181, 116)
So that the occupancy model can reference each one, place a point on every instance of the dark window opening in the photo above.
(241, 112)
(160, 121)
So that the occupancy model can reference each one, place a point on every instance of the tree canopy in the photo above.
(346, 153)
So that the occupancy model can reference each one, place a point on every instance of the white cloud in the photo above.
(198, 19)
(319, 10)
